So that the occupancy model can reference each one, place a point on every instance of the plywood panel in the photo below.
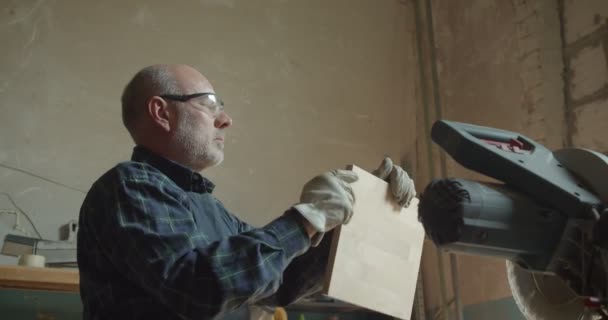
(375, 258)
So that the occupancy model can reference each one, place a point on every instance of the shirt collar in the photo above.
(184, 177)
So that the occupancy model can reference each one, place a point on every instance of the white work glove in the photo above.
(327, 201)
(402, 187)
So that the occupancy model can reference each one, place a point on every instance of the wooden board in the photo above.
(374, 260)
(39, 278)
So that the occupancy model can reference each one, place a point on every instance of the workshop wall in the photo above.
(311, 86)
(586, 58)
(492, 63)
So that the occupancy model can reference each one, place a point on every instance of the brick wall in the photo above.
(585, 36)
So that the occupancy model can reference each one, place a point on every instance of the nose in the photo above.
(223, 121)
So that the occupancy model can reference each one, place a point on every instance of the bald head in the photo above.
(157, 80)
(189, 131)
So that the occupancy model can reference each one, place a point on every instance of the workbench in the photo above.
(32, 278)
(53, 293)
(39, 293)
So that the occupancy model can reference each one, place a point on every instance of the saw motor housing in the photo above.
(542, 213)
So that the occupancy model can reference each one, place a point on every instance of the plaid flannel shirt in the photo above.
(154, 243)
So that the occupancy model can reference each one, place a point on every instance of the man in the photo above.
(153, 242)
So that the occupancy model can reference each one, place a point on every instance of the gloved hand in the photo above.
(402, 187)
(327, 201)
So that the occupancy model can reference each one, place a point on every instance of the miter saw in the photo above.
(546, 215)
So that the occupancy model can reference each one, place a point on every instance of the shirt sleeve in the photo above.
(305, 275)
(148, 234)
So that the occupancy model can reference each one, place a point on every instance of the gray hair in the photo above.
(150, 81)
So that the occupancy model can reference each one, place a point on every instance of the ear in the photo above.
(158, 110)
